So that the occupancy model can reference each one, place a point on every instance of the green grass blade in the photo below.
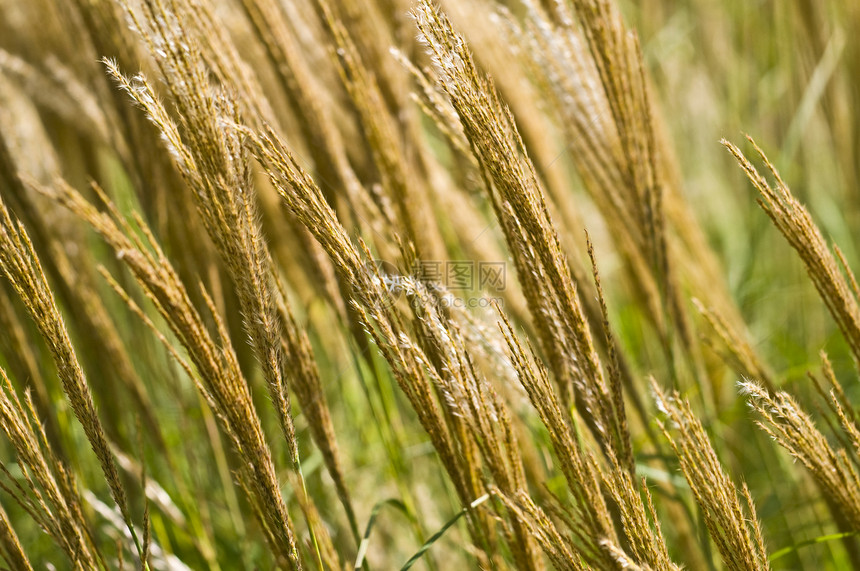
(820, 539)
(365, 540)
(420, 553)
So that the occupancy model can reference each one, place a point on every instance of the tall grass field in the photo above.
(435, 285)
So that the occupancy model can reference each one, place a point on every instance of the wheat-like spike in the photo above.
(218, 376)
(795, 223)
(612, 401)
(786, 422)
(471, 398)
(646, 543)
(591, 66)
(10, 546)
(22, 362)
(213, 159)
(736, 535)
(832, 392)
(518, 200)
(400, 183)
(579, 467)
(21, 266)
(55, 506)
(371, 303)
(74, 290)
(556, 546)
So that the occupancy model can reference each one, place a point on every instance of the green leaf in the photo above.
(821, 539)
(362, 548)
(429, 543)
